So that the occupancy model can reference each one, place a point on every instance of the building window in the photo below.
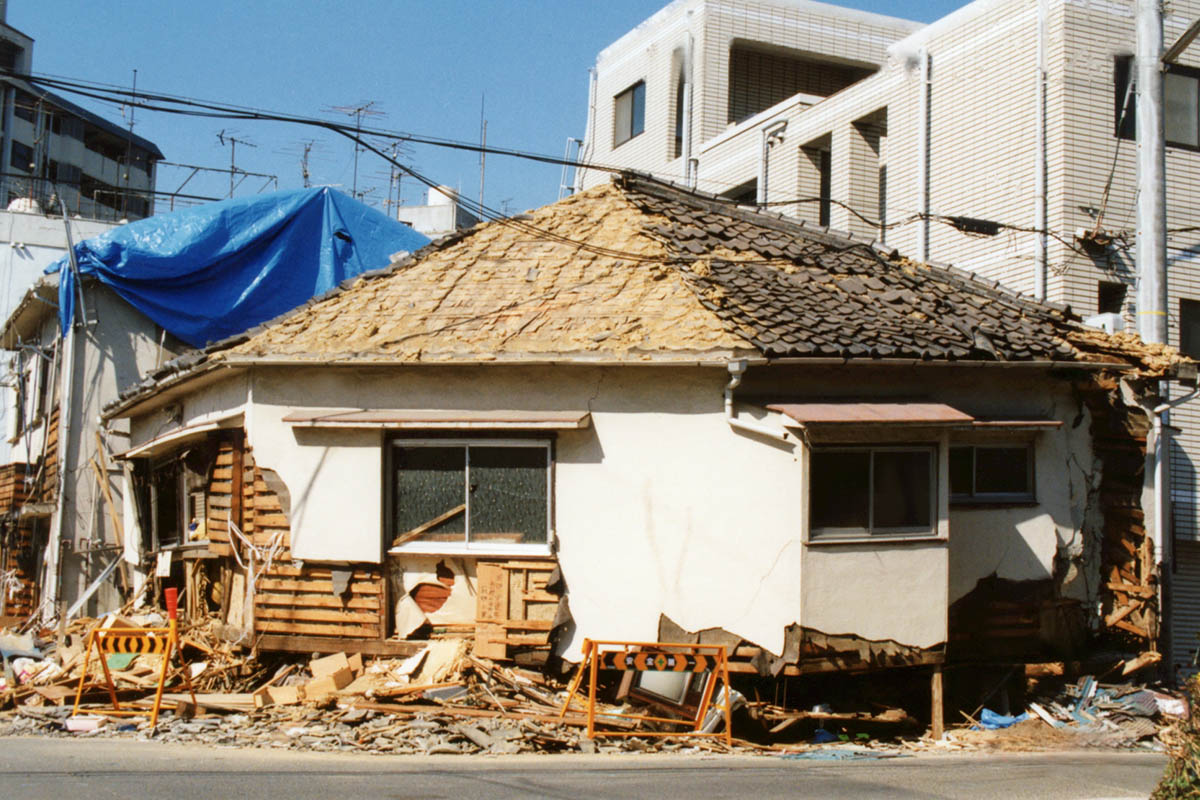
(1189, 328)
(1181, 103)
(872, 491)
(629, 113)
(1110, 297)
(22, 157)
(462, 494)
(992, 474)
(25, 106)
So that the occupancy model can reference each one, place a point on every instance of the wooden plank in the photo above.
(316, 615)
(349, 631)
(327, 644)
(270, 520)
(317, 601)
(1131, 628)
(315, 586)
(322, 573)
(491, 594)
(408, 536)
(1121, 613)
(237, 467)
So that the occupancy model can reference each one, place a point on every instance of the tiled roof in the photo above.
(643, 271)
(796, 291)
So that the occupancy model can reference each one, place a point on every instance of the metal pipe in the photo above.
(772, 134)
(736, 370)
(689, 163)
(1041, 221)
(923, 132)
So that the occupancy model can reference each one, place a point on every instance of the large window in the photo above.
(491, 494)
(872, 491)
(1181, 103)
(629, 113)
(992, 473)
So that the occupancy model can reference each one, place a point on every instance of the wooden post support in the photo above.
(938, 725)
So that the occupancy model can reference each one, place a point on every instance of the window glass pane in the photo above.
(839, 490)
(902, 490)
(430, 481)
(508, 494)
(622, 117)
(638, 112)
(962, 479)
(1189, 327)
(1002, 470)
(1180, 114)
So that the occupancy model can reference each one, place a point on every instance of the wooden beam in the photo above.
(330, 644)
(938, 725)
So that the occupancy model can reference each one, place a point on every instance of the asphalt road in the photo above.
(64, 769)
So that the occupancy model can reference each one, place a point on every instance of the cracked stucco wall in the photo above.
(661, 508)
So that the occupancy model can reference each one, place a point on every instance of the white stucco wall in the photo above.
(662, 509)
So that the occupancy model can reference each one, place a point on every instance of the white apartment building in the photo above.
(51, 146)
(998, 138)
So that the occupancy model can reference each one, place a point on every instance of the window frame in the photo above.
(977, 498)
(1123, 77)
(830, 535)
(634, 130)
(467, 547)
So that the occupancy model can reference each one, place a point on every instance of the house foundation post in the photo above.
(937, 724)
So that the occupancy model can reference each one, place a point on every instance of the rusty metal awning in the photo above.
(426, 419)
(873, 413)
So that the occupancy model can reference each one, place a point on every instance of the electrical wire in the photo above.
(153, 101)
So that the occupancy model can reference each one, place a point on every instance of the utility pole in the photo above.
(482, 155)
(1151, 168)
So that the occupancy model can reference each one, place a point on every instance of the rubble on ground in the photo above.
(446, 700)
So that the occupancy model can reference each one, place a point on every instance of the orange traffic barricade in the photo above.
(145, 641)
(709, 660)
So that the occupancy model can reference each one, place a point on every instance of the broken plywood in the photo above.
(514, 612)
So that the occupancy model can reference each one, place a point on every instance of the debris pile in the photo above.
(1087, 713)
(440, 700)
(1181, 781)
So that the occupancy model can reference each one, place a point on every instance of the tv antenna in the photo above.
(233, 142)
(358, 112)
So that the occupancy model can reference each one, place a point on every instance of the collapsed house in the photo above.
(645, 414)
(130, 300)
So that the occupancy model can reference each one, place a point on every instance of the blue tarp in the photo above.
(213, 271)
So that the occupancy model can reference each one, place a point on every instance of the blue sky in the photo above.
(426, 64)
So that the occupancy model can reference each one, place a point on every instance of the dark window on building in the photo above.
(25, 106)
(992, 473)
(9, 53)
(22, 157)
(1181, 103)
(462, 493)
(1110, 297)
(680, 107)
(70, 127)
(745, 194)
(826, 191)
(1189, 328)
(871, 491)
(761, 77)
(629, 113)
